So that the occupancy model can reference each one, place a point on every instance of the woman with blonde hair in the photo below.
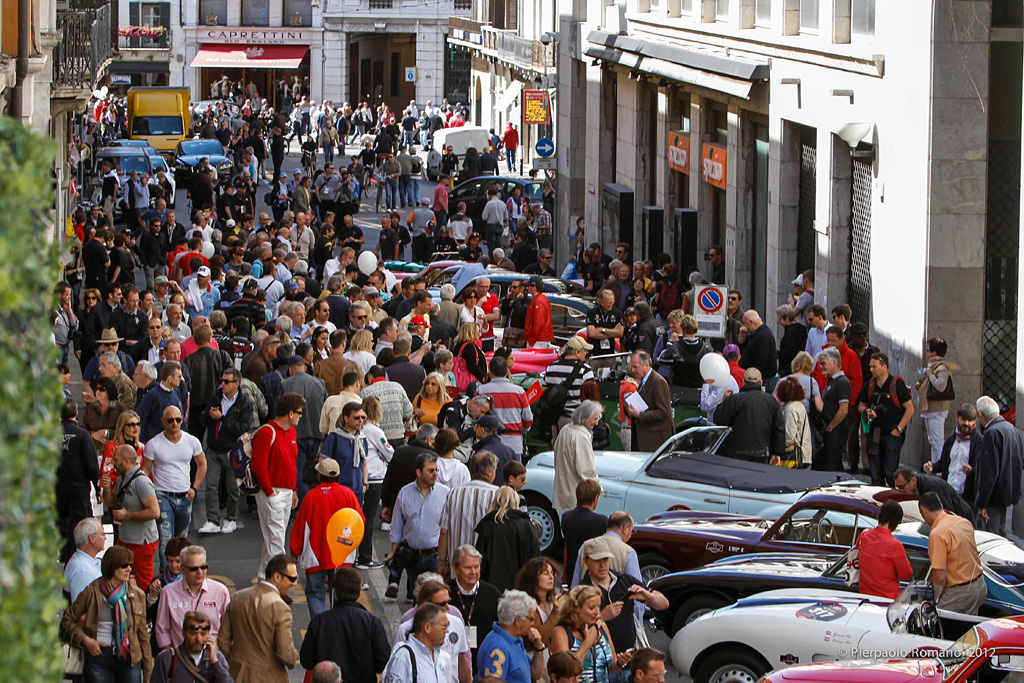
(431, 400)
(360, 350)
(582, 632)
(506, 540)
(125, 433)
(469, 356)
(802, 367)
(378, 455)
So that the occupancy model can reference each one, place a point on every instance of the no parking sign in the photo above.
(711, 310)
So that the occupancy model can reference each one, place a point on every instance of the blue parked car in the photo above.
(684, 473)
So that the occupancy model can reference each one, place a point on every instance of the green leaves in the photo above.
(30, 396)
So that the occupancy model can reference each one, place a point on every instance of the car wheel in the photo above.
(544, 516)
(732, 665)
(694, 607)
(654, 566)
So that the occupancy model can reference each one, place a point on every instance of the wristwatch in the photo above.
(900, 430)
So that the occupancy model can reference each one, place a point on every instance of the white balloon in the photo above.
(98, 94)
(367, 262)
(208, 249)
(714, 368)
(104, 91)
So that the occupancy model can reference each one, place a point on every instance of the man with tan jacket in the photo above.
(256, 632)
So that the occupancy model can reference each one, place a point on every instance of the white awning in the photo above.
(505, 99)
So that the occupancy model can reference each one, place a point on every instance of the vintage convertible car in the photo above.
(698, 591)
(991, 652)
(683, 472)
(774, 629)
(826, 520)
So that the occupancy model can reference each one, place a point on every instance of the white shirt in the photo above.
(452, 473)
(226, 403)
(378, 452)
(455, 643)
(959, 455)
(364, 359)
(429, 669)
(171, 461)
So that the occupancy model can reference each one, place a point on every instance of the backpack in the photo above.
(417, 166)
(241, 461)
(668, 298)
(892, 390)
(551, 404)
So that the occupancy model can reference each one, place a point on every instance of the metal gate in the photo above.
(1002, 240)
(806, 247)
(457, 75)
(860, 242)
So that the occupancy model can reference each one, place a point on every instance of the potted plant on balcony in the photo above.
(147, 32)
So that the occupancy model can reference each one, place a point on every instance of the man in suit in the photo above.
(332, 369)
(999, 467)
(655, 425)
(256, 631)
(958, 460)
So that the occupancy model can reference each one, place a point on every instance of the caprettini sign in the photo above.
(713, 165)
(258, 36)
(679, 151)
(711, 310)
(536, 107)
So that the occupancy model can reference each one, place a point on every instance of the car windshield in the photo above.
(127, 164)
(534, 192)
(202, 147)
(159, 164)
(1006, 562)
(958, 653)
(157, 125)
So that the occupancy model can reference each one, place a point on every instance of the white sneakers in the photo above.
(209, 528)
(384, 526)
(228, 526)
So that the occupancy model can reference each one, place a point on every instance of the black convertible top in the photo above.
(718, 470)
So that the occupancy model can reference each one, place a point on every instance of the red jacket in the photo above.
(851, 368)
(510, 138)
(737, 372)
(538, 321)
(883, 563)
(273, 464)
(308, 541)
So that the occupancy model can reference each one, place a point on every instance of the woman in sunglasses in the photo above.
(125, 433)
(90, 325)
(108, 622)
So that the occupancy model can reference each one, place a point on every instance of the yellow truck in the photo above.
(160, 116)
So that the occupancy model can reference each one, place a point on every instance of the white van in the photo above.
(462, 139)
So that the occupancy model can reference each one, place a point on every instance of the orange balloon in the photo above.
(344, 533)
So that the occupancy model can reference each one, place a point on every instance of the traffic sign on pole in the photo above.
(545, 148)
(711, 310)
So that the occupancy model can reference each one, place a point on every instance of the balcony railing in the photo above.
(161, 43)
(463, 4)
(381, 4)
(86, 43)
(514, 48)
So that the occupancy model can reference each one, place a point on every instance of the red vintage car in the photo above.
(991, 652)
(825, 520)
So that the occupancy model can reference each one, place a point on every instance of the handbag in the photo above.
(73, 660)
(793, 456)
(463, 376)
(412, 425)
(947, 393)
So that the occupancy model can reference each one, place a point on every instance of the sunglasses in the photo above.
(204, 567)
(110, 344)
(91, 298)
(172, 419)
(205, 628)
(293, 579)
(297, 412)
(131, 424)
(443, 603)
(358, 417)
(126, 566)
(227, 381)
(156, 327)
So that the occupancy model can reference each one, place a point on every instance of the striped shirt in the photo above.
(465, 507)
(395, 407)
(559, 371)
(512, 408)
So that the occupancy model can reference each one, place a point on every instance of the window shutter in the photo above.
(134, 19)
(512, 16)
(165, 16)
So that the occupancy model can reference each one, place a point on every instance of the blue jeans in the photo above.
(370, 502)
(175, 518)
(510, 158)
(329, 153)
(108, 668)
(405, 190)
(414, 191)
(493, 237)
(885, 462)
(423, 138)
(391, 193)
(308, 448)
(409, 138)
(423, 563)
(319, 591)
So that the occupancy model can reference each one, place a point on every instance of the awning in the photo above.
(250, 56)
(139, 67)
(504, 100)
(675, 72)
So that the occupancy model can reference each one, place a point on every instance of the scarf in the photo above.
(963, 435)
(167, 578)
(358, 447)
(117, 598)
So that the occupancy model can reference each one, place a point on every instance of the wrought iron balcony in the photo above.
(160, 43)
(85, 46)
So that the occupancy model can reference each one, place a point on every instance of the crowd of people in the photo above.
(285, 340)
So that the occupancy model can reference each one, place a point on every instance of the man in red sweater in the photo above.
(274, 449)
(539, 332)
(852, 367)
(510, 141)
(308, 540)
(883, 561)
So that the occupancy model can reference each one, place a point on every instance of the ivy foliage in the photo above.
(30, 399)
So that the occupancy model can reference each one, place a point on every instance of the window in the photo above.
(820, 526)
(809, 15)
(298, 13)
(255, 12)
(763, 12)
(721, 9)
(862, 19)
(686, 6)
(213, 12)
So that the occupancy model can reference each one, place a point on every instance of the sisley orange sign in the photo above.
(679, 151)
(713, 165)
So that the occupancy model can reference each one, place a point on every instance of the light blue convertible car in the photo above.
(683, 474)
